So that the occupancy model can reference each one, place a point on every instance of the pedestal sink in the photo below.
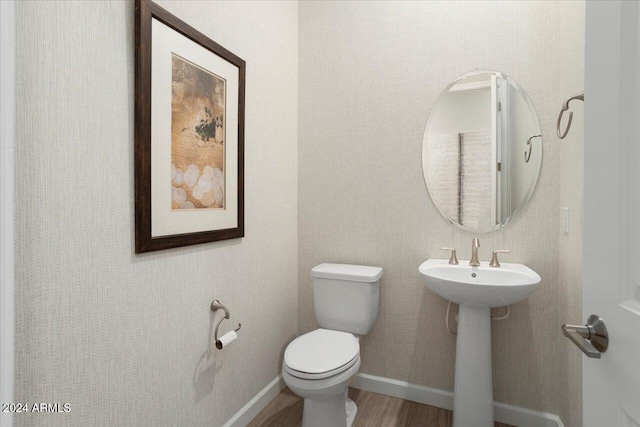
(477, 290)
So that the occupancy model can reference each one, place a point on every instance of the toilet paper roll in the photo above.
(226, 339)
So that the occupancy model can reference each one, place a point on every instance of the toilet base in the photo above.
(352, 410)
(337, 411)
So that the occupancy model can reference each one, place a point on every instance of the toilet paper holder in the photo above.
(215, 306)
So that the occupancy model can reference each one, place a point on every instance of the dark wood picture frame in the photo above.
(145, 11)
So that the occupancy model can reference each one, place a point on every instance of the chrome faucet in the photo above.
(475, 244)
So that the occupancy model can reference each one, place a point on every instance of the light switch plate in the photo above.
(565, 220)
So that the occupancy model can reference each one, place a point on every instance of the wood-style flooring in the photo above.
(374, 410)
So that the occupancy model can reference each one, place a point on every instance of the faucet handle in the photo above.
(494, 259)
(454, 259)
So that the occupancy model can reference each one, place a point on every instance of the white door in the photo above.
(611, 384)
(7, 202)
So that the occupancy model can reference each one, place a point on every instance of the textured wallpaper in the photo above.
(571, 185)
(126, 339)
(370, 73)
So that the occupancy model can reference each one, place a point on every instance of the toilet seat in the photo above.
(309, 376)
(321, 354)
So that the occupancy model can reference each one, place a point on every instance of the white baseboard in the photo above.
(257, 404)
(503, 413)
(404, 390)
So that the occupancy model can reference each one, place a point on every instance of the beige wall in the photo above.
(125, 339)
(369, 74)
(569, 289)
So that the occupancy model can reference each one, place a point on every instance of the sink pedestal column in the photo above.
(473, 390)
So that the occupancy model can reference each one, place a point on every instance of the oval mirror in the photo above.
(482, 151)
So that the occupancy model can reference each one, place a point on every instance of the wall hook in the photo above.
(565, 107)
(527, 156)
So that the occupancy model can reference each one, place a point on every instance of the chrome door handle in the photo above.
(591, 338)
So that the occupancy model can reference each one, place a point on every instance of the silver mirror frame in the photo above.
(532, 187)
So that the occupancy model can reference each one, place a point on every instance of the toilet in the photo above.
(319, 366)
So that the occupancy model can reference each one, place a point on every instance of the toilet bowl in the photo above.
(319, 366)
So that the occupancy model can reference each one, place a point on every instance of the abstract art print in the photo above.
(189, 135)
(197, 137)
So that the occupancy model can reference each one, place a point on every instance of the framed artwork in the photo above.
(189, 134)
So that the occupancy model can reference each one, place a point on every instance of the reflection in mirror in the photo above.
(482, 151)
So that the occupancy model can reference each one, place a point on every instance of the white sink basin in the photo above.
(482, 286)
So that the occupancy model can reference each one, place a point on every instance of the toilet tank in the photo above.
(346, 297)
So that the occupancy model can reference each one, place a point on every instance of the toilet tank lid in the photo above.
(354, 273)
